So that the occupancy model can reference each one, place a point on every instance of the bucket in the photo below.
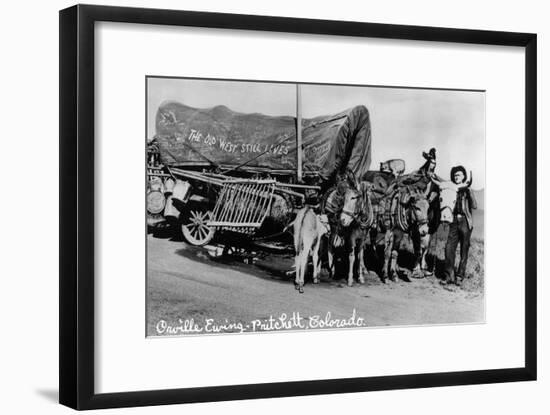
(170, 212)
(181, 191)
(169, 186)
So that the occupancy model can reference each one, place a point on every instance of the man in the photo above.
(460, 230)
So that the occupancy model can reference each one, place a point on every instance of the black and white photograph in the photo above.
(282, 206)
(275, 207)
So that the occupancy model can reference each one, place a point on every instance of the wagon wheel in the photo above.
(194, 227)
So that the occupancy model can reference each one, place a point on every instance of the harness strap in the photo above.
(348, 213)
(402, 217)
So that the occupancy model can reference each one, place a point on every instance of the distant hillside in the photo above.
(480, 198)
(479, 214)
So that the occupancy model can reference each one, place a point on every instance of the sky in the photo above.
(404, 121)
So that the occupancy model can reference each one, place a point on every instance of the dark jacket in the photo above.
(466, 201)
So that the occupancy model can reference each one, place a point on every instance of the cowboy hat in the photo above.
(457, 169)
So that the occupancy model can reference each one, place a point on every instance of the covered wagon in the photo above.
(225, 171)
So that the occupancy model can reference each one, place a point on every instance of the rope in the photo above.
(398, 212)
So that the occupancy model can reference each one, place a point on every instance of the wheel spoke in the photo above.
(196, 230)
(200, 232)
(198, 215)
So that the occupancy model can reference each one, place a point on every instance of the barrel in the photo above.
(155, 201)
(280, 209)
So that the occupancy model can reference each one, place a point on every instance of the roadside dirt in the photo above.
(188, 286)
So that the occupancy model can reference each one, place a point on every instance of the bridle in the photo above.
(363, 213)
(409, 217)
(352, 215)
(415, 219)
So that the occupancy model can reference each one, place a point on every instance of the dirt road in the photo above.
(186, 286)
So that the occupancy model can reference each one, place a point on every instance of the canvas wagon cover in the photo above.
(220, 136)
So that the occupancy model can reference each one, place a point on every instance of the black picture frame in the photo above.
(76, 278)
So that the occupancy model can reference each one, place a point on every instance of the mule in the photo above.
(352, 216)
(409, 211)
(357, 218)
(309, 229)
